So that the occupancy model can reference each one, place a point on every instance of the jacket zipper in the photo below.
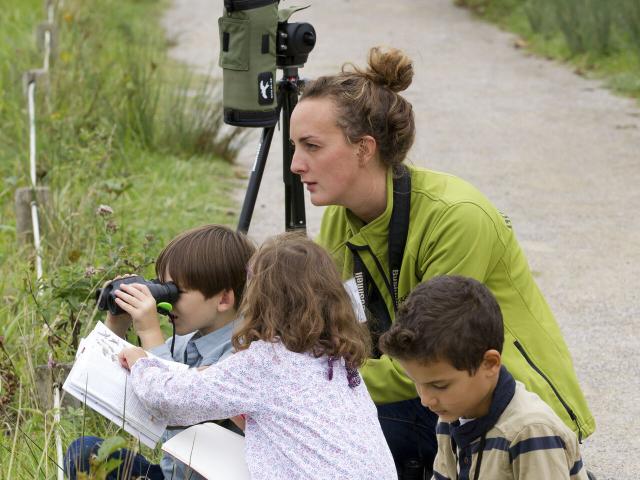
(546, 379)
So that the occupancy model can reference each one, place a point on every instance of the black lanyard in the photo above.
(481, 446)
(398, 230)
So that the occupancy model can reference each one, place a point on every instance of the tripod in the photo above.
(287, 98)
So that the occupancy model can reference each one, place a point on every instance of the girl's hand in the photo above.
(129, 356)
(240, 421)
(136, 300)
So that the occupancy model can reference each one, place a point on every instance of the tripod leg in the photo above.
(295, 216)
(293, 188)
(294, 201)
(254, 180)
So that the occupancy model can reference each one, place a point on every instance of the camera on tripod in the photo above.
(255, 39)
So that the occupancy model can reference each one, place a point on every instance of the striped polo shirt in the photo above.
(521, 437)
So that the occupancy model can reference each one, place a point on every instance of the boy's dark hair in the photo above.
(448, 318)
(210, 259)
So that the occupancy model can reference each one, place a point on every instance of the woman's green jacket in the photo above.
(455, 230)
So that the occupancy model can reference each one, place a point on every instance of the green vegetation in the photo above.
(601, 38)
(119, 126)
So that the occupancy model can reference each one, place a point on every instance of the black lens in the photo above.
(164, 292)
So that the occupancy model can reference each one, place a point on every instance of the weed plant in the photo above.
(133, 151)
(598, 36)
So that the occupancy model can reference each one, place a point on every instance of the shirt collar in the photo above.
(463, 435)
(379, 225)
(209, 345)
(357, 224)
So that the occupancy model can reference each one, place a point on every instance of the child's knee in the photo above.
(78, 455)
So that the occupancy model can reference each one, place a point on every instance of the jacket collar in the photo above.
(376, 230)
(463, 435)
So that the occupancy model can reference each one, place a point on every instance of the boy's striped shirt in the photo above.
(528, 441)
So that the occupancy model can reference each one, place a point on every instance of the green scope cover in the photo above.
(248, 60)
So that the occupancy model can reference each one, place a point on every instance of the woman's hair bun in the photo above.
(390, 67)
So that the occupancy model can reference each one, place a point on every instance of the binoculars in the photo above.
(162, 292)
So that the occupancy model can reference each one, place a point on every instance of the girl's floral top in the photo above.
(306, 417)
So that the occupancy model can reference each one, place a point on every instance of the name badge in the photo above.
(352, 289)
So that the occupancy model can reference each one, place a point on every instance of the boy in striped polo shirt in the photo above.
(448, 337)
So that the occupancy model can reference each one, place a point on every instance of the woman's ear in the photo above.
(227, 300)
(367, 150)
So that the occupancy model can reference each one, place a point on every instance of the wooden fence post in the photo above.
(23, 198)
(46, 377)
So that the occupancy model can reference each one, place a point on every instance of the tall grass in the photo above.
(585, 24)
(196, 123)
(541, 16)
(598, 35)
(121, 126)
(629, 15)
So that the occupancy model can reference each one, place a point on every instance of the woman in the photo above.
(392, 226)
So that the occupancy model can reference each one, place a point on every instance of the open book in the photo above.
(98, 380)
(211, 450)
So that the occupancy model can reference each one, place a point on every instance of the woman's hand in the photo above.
(136, 300)
(130, 355)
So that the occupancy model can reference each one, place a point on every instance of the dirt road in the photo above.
(558, 153)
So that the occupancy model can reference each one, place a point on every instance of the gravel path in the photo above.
(557, 152)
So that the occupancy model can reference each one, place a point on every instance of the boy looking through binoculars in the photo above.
(208, 266)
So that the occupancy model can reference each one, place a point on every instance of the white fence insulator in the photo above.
(32, 161)
(31, 93)
(56, 423)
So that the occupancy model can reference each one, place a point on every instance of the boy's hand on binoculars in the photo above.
(118, 324)
(137, 301)
(129, 356)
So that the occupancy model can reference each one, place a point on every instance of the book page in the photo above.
(98, 380)
(106, 388)
(211, 450)
(144, 435)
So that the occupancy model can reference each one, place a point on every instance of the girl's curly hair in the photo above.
(295, 296)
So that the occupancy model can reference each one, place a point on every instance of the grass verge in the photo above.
(119, 126)
(601, 39)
